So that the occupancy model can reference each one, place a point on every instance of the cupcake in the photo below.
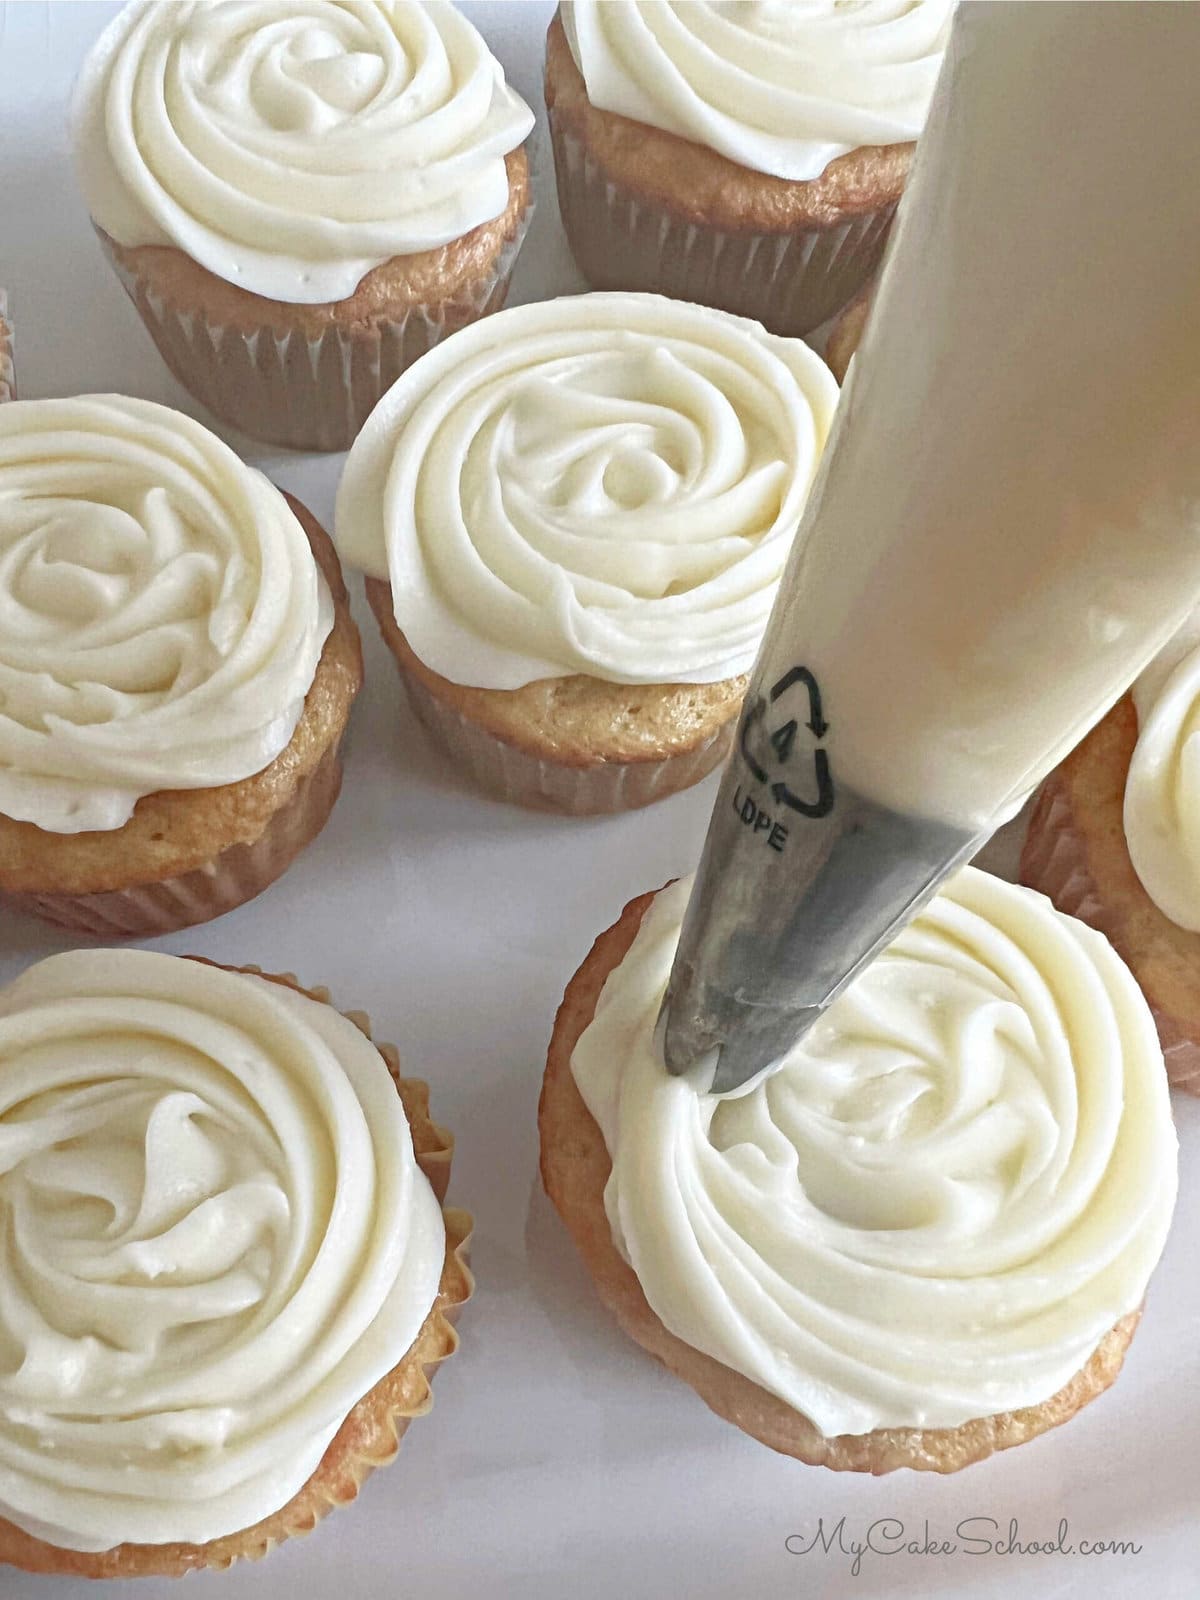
(301, 200)
(747, 157)
(928, 1235)
(8, 379)
(228, 1272)
(1115, 839)
(573, 518)
(177, 667)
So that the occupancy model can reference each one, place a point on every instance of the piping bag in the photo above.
(1005, 527)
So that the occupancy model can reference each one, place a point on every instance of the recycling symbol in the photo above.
(782, 738)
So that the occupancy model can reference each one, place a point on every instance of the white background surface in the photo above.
(558, 1459)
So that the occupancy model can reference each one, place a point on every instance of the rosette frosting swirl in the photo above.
(1162, 789)
(215, 1240)
(290, 149)
(607, 484)
(940, 1203)
(161, 612)
(779, 86)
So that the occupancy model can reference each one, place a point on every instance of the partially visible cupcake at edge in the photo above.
(573, 518)
(301, 200)
(1115, 839)
(927, 1235)
(228, 1275)
(8, 377)
(749, 157)
(177, 668)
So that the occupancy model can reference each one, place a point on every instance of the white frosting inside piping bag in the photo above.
(1162, 789)
(779, 86)
(606, 484)
(939, 1204)
(161, 612)
(215, 1241)
(1023, 510)
(291, 149)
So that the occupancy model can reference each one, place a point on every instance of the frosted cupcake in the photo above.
(747, 157)
(228, 1272)
(928, 1236)
(301, 200)
(8, 380)
(573, 518)
(1115, 839)
(177, 667)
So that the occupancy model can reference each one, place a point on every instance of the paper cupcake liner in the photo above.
(1055, 861)
(294, 390)
(228, 880)
(371, 1434)
(512, 774)
(8, 378)
(790, 282)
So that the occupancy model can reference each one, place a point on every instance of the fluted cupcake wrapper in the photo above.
(790, 282)
(8, 379)
(371, 1434)
(227, 881)
(293, 390)
(522, 779)
(1054, 861)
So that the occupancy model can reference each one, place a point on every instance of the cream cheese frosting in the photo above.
(942, 1200)
(607, 484)
(779, 86)
(1162, 789)
(291, 149)
(161, 612)
(215, 1241)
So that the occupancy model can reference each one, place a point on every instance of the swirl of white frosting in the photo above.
(939, 1204)
(779, 86)
(607, 484)
(215, 1240)
(1162, 789)
(161, 612)
(291, 149)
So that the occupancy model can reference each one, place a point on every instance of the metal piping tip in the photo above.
(791, 901)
